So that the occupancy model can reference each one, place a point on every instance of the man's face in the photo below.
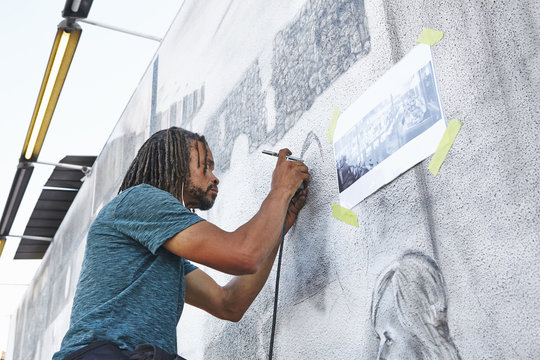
(200, 190)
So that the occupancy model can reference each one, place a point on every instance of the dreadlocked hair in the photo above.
(163, 160)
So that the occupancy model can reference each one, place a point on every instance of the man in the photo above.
(136, 272)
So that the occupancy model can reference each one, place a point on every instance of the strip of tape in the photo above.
(444, 146)
(332, 128)
(345, 215)
(429, 36)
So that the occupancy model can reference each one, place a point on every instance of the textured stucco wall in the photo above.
(258, 75)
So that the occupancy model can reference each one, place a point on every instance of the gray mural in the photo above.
(322, 43)
(319, 45)
(242, 112)
(409, 311)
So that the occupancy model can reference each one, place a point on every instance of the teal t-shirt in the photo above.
(131, 289)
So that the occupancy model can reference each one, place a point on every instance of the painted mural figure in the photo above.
(137, 275)
(409, 311)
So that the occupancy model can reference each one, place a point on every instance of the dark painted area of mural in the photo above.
(237, 340)
(321, 44)
(323, 41)
(190, 105)
(179, 113)
(307, 278)
(155, 68)
(242, 112)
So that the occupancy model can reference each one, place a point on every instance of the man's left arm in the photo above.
(231, 301)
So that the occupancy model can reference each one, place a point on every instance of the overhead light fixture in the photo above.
(18, 187)
(65, 43)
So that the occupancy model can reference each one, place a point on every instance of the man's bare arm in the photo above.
(231, 301)
(239, 252)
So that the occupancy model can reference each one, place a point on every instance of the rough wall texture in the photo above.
(268, 74)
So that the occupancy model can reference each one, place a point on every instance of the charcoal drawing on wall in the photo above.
(409, 311)
(322, 43)
(242, 112)
(319, 45)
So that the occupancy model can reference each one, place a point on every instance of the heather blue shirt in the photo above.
(131, 289)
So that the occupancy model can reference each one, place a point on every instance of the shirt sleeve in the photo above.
(188, 267)
(152, 216)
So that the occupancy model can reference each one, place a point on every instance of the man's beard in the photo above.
(201, 199)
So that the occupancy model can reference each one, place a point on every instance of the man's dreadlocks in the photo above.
(163, 161)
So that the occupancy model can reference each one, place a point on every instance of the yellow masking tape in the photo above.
(332, 128)
(430, 36)
(345, 215)
(444, 146)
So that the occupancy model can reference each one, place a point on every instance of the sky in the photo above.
(105, 71)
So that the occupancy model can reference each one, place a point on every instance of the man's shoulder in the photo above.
(144, 189)
(130, 197)
(144, 197)
(141, 188)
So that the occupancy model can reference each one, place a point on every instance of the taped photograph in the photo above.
(394, 125)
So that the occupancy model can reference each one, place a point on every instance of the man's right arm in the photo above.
(231, 301)
(244, 250)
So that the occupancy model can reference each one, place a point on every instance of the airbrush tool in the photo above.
(289, 157)
(273, 153)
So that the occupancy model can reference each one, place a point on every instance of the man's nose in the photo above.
(215, 181)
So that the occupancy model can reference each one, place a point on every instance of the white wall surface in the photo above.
(268, 74)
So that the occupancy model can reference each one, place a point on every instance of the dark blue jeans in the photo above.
(106, 350)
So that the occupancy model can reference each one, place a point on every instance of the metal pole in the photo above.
(30, 237)
(84, 169)
(116, 28)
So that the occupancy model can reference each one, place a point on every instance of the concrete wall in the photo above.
(268, 74)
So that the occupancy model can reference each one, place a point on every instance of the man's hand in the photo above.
(296, 204)
(289, 175)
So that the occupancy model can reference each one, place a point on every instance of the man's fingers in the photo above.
(307, 177)
(293, 170)
(283, 153)
(300, 196)
(303, 167)
(298, 201)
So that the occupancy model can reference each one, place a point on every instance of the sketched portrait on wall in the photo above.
(408, 311)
